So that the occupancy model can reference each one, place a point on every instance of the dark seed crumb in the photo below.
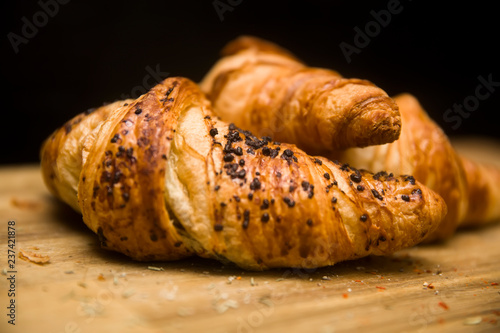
(266, 151)
(218, 227)
(250, 196)
(246, 219)
(274, 152)
(360, 188)
(214, 132)
(305, 185)
(334, 200)
(289, 202)
(411, 179)
(217, 187)
(237, 198)
(265, 217)
(238, 151)
(255, 184)
(317, 161)
(356, 177)
(228, 158)
(309, 222)
(242, 162)
(363, 218)
(138, 111)
(169, 91)
(417, 191)
(405, 197)
(265, 204)
(130, 152)
(377, 195)
(379, 174)
(327, 176)
(115, 138)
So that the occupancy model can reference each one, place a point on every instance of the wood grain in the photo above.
(447, 287)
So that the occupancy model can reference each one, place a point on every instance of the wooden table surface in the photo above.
(448, 287)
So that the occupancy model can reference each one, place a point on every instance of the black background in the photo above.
(93, 52)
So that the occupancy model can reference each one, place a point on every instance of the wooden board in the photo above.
(449, 287)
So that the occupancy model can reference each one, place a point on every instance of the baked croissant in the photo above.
(263, 88)
(470, 189)
(249, 87)
(161, 178)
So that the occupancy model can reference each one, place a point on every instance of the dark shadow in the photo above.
(372, 265)
(65, 215)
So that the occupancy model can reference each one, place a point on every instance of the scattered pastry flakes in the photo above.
(443, 305)
(33, 257)
(473, 320)
(153, 268)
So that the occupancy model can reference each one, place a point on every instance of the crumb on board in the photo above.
(473, 320)
(33, 257)
(153, 268)
(24, 203)
(443, 305)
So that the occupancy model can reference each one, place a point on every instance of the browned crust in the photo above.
(424, 151)
(275, 208)
(484, 192)
(250, 42)
(261, 88)
(138, 146)
(122, 186)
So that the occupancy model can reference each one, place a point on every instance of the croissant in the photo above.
(470, 189)
(263, 88)
(162, 178)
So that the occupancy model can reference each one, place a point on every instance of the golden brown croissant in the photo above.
(263, 88)
(160, 178)
(470, 190)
